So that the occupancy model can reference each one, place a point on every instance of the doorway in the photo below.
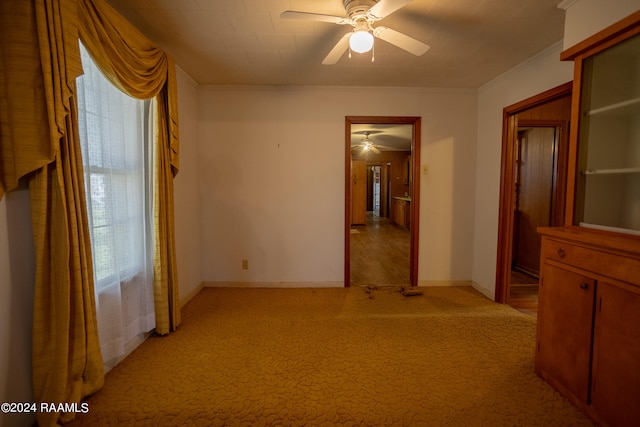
(377, 177)
(532, 190)
(535, 184)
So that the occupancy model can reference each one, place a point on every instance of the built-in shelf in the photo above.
(611, 171)
(630, 106)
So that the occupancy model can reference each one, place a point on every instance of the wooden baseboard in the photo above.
(444, 283)
(273, 284)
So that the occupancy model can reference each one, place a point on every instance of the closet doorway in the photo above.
(381, 199)
(532, 190)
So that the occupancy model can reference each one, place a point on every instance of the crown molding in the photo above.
(554, 48)
(187, 77)
(394, 89)
(566, 4)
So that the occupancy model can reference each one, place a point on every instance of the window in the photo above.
(117, 169)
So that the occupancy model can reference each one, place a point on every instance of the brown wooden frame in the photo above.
(415, 189)
(507, 181)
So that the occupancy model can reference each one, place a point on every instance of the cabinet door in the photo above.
(565, 313)
(400, 215)
(615, 387)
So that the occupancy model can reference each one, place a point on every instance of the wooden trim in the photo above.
(507, 162)
(347, 203)
(573, 148)
(415, 202)
(541, 98)
(505, 213)
(415, 189)
(605, 38)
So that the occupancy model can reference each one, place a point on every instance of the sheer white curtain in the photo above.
(117, 168)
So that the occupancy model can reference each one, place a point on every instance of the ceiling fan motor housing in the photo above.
(358, 8)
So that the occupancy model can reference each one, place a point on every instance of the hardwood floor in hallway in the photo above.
(523, 293)
(379, 253)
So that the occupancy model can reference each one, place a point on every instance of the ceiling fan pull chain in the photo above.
(373, 53)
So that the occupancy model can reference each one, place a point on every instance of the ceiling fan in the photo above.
(368, 145)
(361, 14)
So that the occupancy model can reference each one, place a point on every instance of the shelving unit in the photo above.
(588, 339)
(630, 106)
(608, 185)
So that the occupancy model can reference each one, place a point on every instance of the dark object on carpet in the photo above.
(411, 292)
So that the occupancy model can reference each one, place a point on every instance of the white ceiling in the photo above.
(245, 42)
(386, 137)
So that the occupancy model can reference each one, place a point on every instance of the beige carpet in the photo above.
(325, 357)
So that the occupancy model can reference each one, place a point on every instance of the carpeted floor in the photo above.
(325, 357)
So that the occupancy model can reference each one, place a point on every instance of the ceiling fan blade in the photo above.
(374, 149)
(338, 50)
(386, 7)
(292, 14)
(401, 40)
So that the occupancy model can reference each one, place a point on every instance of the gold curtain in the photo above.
(39, 63)
(142, 70)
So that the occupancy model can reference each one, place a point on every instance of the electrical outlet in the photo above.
(245, 264)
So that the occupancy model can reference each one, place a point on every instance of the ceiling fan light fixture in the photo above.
(361, 41)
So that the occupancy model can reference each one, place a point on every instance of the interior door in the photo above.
(358, 192)
(535, 172)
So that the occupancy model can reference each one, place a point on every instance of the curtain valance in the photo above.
(40, 62)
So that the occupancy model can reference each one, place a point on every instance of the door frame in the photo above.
(415, 189)
(507, 179)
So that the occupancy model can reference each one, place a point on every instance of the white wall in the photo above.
(16, 304)
(272, 169)
(186, 192)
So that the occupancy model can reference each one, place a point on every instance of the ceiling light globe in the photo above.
(361, 41)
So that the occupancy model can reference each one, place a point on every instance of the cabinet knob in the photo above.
(561, 253)
(584, 286)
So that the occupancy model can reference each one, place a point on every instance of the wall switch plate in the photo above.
(425, 170)
(245, 264)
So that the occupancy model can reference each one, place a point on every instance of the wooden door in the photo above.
(615, 385)
(358, 192)
(535, 171)
(565, 314)
(384, 191)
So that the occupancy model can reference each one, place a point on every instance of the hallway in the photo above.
(379, 253)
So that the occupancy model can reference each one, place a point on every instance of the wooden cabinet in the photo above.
(564, 333)
(588, 337)
(402, 212)
(615, 383)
